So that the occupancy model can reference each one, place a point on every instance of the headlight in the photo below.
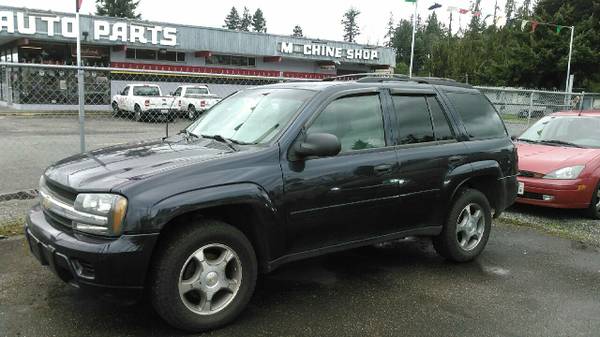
(566, 173)
(111, 207)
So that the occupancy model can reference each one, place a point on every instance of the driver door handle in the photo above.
(382, 169)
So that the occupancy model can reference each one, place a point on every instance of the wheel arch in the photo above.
(484, 176)
(244, 206)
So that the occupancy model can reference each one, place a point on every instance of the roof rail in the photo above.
(379, 77)
(356, 77)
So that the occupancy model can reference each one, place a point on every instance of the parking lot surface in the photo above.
(524, 284)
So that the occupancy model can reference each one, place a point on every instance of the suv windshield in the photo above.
(252, 116)
(578, 131)
(146, 91)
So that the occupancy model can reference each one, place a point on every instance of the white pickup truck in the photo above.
(193, 100)
(145, 102)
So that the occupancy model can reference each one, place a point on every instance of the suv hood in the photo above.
(105, 168)
(544, 159)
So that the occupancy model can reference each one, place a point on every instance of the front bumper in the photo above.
(90, 262)
(575, 193)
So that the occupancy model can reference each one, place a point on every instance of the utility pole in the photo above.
(80, 79)
(412, 44)
(569, 63)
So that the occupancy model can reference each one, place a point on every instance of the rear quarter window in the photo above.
(477, 114)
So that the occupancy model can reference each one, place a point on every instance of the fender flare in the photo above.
(249, 194)
(462, 174)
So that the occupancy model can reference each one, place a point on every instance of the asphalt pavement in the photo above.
(30, 144)
(524, 284)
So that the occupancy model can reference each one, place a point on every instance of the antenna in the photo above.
(169, 117)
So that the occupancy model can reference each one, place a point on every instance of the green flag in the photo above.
(559, 28)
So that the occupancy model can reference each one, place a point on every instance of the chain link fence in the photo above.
(40, 124)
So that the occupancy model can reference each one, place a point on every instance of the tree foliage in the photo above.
(259, 23)
(232, 20)
(117, 8)
(350, 24)
(507, 55)
(297, 31)
(246, 20)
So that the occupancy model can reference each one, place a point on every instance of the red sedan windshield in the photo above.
(577, 131)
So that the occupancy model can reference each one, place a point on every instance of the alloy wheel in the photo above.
(470, 226)
(210, 279)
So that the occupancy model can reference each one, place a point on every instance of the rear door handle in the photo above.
(385, 168)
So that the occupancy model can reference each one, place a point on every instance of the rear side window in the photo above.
(478, 115)
(441, 127)
(357, 121)
(414, 121)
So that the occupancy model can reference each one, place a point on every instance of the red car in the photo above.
(559, 162)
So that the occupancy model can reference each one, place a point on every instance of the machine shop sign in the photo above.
(116, 31)
(319, 49)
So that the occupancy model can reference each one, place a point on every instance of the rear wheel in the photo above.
(192, 113)
(467, 228)
(137, 113)
(594, 209)
(204, 276)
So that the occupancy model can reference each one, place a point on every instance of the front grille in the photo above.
(531, 195)
(61, 192)
(57, 221)
(528, 174)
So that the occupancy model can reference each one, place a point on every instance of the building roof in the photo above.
(193, 38)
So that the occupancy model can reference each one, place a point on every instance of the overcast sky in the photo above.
(318, 18)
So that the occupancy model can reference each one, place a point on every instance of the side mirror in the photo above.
(319, 145)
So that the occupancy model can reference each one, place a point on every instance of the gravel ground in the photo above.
(567, 223)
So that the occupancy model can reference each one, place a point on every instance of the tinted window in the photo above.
(146, 91)
(125, 91)
(441, 127)
(356, 120)
(414, 122)
(197, 91)
(177, 92)
(478, 115)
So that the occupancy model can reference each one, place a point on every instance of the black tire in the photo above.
(116, 112)
(137, 114)
(447, 243)
(192, 113)
(171, 259)
(594, 209)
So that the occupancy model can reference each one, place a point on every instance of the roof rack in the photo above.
(379, 77)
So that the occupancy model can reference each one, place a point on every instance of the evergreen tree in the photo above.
(351, 29)
(509, 9)
(390, 31)
(117, 8)
(297, 31)
(259, 24)
(232, 20)
(246, 20)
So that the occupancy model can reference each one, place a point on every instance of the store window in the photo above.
(231, 60)
(149, 54)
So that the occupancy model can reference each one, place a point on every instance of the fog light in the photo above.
(548, 197)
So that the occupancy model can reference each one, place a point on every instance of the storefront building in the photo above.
(45, 37)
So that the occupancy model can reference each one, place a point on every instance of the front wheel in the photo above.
(204, 276)
(467, 227)
(116, 112)
(594, 210)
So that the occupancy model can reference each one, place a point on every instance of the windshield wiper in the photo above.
(223, 140)
(526, 140)
(560, 142)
